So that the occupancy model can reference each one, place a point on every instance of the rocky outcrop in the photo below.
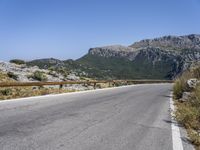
(114, 51)
(192, 83)
(191, 41)
(24, 73)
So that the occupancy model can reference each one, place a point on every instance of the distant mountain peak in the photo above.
(170, 42)
(113, 48)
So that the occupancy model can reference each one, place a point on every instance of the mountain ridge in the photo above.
(158, 58)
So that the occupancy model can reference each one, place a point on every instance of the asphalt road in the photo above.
(127, 118)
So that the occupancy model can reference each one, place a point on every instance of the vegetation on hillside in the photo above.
(40, 76)
(98, 67)
(17, 61)
(12, 75)
(121, 68)
(188, 111)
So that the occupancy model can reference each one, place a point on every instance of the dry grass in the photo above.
(188, 116)
(19, 92)
(188, 112)
(180, 84)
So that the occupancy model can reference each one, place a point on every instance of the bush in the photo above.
(178, 88)
(40, 76)
(12, 75)
(196, 72)
(4, 77)
(180, 84)
(17, 61)
(195, 138)
(188, 116)
(63, 71)
(195, 98)
(6, 92)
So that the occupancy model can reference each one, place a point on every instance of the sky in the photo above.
(63, 29)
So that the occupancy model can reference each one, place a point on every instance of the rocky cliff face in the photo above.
(115, 51)
(176, 51)
(171, 42)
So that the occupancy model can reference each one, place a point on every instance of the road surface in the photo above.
(127, 118)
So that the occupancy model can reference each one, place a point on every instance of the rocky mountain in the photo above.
(171, 42)
(159, 58)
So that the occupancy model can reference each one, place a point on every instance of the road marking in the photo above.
(176, 136)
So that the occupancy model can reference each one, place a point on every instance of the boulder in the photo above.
(73, 77)
(192, 83)
(185, 96)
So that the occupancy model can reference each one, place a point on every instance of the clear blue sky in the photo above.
(63, 29)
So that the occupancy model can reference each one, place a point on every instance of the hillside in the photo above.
(159, 58)
(191, 41)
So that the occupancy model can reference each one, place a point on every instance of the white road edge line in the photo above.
(176, 136)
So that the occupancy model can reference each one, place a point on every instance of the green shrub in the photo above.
(180, 84)
(40, 76)
(12, 75)
(196, 72)
(63, 71)
(178, 88)
(6, 92)
(17, 61)
(188, 116)
(195, 98)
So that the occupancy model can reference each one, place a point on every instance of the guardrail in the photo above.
(114, 82)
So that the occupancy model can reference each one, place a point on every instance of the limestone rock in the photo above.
(192, 83)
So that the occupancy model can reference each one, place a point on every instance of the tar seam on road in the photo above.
(176, 136)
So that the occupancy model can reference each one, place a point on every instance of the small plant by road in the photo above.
(40, 76)
(12, 75)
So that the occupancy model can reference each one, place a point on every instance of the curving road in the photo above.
(125, 118)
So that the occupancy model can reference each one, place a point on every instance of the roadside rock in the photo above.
(185, 96)
(73, 77)
(192, 83)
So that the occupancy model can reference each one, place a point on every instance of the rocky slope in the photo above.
(23, 73)
(191, 41)
(163, 57)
